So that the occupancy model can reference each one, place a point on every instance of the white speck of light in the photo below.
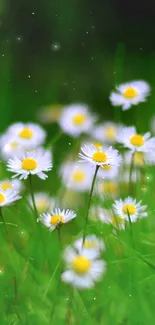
(2, 54)
(29, 76)
(32, 13)
(56, 47)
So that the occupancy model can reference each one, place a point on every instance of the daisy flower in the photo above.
(140, 159)
(8, 196)
(30, 163)
(9, 146)
(107, 132)
(101, 156)
(130, 93)
(108, 187)
(108, 172)
(82, 270)
(135, 141)
(57, 218)
(92, 245)
(129, 207)
(76, 119)
(29, 135)
(11, 184)
(43, 202)
(77, 176)
(108, 217)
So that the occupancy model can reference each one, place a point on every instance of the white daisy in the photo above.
(11, 184)
(31, 162)
(8, 196)
(77, 176)
(108, 171)
(9, 146)
(129, 207)
(107, 132)
(108, 217)
(57, 218)
(136, 142)
(100, 157)
(43, 202)
(131, 93)
(76, 119)
(107, 187)
(82, 270)
(140, 158)
(29, 135)
(92, 245)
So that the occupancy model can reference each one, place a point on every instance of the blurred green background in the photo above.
(62, 51)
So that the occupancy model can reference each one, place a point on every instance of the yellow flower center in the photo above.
(78, 176)
(79, 119)
(130, 93)
(2, 198)
(81, 265)
(107, 167)
(26, 133)
(6, 185)
(110, 132)
(97, 145)
(14, 145)
(129, 209)
(109, 187)
(90, 244)
(41, 205)
(138, 158)
(100, 157)
(137, 140)
(29, 164)
(56, 220)
(117, 220)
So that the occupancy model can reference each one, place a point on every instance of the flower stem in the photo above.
(54, 140)
(130, 173)
(32, 196)
(5, 227)
(59, 236)
(89, 204)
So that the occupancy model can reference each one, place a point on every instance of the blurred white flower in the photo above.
(107, 132)
(130, 207)
(82, 270)
(130, 93)
(11, 184)
(100, 157)
(92, 245)
(140, 158)
(9, 146)
(50, 113)
(57, 218)
(31, 162)
(76, 119)
(107, 187)
(77, 176)
(108, 171)
(8, 196)
(43, 201)
(28, 135)
(136, 142)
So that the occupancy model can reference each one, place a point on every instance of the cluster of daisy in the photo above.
(99, 169)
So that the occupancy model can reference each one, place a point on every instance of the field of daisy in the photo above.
(77, 159)
(77, 230)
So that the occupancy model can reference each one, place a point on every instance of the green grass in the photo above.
(30, 264)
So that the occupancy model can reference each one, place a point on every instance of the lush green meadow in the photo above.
(71, 65)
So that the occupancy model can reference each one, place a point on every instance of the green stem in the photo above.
(32, 196)
(130, 174)
(55, 139)
(89, 204)
(5, 226)
(59, 236)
